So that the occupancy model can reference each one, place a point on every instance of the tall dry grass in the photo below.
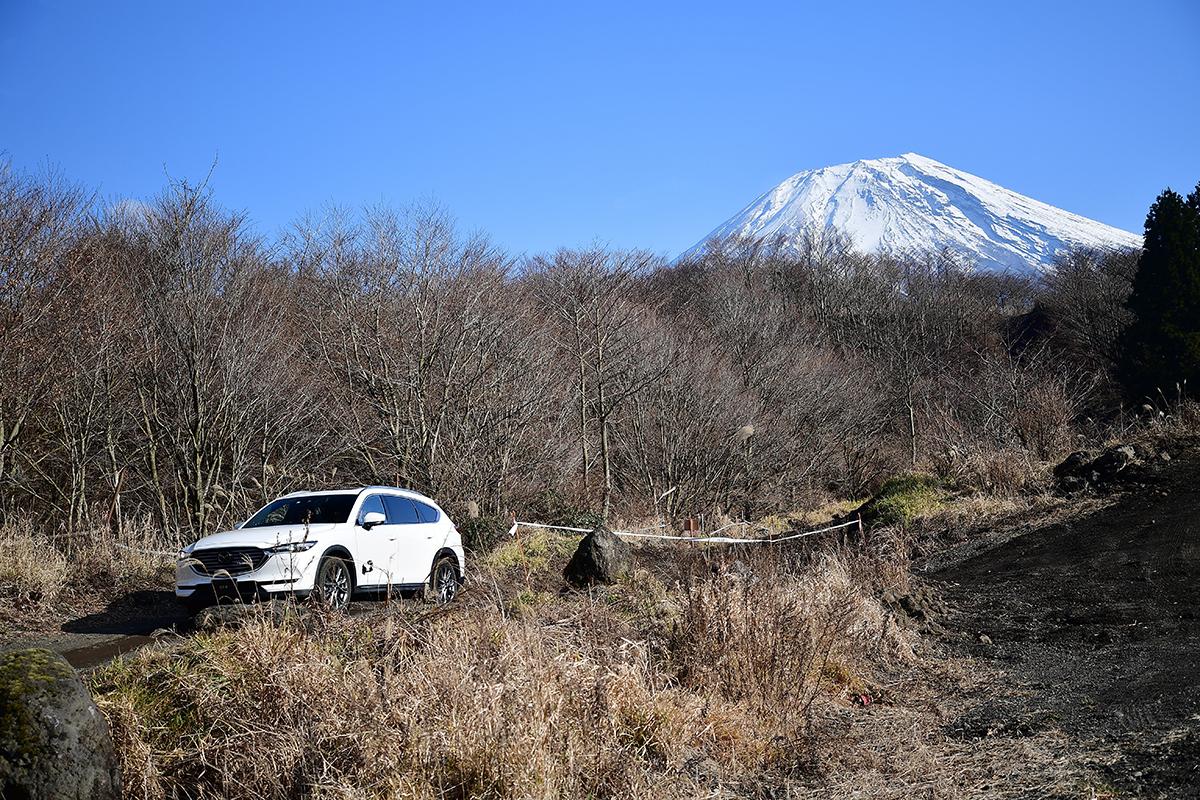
(32, 569)
(696, 686)
(41, 569)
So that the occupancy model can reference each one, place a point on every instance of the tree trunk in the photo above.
(604, 452)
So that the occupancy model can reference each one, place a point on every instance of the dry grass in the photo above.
(40, 573)
(705, 685)
(714, 674)
(711, 672)
(136, 554)
(32, 569)
(776, 646)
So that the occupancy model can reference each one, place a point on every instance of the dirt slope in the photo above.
(1094, 622)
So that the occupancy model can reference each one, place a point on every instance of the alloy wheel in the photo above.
(446, 581)
(335, 586)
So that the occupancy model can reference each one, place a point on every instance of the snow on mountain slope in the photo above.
(914, 204)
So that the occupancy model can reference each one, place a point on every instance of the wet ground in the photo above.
(126, 623)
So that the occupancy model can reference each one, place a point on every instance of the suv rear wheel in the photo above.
(444, 580)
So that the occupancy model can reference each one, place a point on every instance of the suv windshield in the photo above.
(300, 510)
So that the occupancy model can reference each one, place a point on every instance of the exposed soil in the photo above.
(1094, 624)
(89, 633)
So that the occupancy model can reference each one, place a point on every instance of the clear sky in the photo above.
(639, 124)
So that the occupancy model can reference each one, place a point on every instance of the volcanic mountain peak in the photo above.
(910, 204)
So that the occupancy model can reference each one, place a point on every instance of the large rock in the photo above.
(1080, 470)
(53, 740)
(1074, 464)
(602, 557)
(1070, 484)
(1113, 460)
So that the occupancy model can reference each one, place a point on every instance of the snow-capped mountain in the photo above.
(914, 204)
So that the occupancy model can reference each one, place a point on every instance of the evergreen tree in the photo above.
(1161, 348)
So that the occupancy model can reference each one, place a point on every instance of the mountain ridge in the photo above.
(911, 203)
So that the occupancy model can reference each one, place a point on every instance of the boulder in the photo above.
(1113, 460)
(1081, 470)
(1070, 484)
(602, 557)
(1073, 464)
(53, 740)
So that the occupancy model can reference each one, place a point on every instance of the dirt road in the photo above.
(126, 623)
(1094, 623)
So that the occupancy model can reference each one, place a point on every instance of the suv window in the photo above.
(428, 514)
(372, 503)
(304, 509)
(400, 510)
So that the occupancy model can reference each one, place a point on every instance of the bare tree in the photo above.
(40, 223)
(593, 296)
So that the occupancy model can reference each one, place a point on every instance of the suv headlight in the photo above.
(184, 554)
(290, 547)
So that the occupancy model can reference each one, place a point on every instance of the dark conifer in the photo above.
(1161, 348)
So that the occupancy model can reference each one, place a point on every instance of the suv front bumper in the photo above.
(281, 573)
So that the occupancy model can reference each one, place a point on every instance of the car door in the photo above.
(408, 541)
(433, 535)
(374, 545)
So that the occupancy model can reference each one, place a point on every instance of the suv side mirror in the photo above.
(373, 518)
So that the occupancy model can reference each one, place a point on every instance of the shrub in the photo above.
(554, 509)
(482, 534)
(903, 498)
(532, 550)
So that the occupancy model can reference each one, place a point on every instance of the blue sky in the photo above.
(638, 124)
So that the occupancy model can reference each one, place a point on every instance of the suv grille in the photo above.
(234, 560)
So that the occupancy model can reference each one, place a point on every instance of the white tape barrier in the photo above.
(147, 552)
(711, 539)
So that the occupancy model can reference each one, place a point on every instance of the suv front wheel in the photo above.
(334, 583)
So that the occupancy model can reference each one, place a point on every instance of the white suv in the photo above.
(329, 545)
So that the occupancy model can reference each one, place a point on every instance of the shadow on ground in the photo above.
(134, 614)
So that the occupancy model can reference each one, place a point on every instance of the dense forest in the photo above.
(166, 361)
